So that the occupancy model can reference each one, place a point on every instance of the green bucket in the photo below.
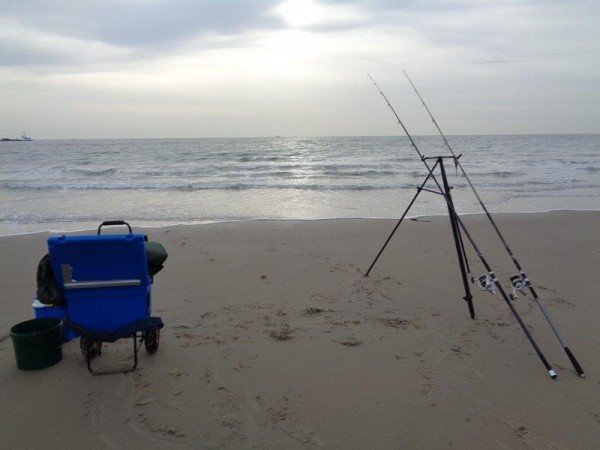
(37, 343)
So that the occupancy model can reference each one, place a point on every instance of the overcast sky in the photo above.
(194, 68)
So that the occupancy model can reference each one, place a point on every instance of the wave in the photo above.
(275, 171)
(499, 174)
(231, 182)
(197, 186)
(249, 158)
(93, 172)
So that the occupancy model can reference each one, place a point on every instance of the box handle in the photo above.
(110, 223)
(101, 284)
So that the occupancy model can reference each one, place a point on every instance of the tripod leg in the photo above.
(462, 264)
(401, 219)
(457, 240)
(393, 232)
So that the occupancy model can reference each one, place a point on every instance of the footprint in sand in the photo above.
(176, 373)
(312, 310)
(425, 389)
(231, 421)
(283, 333)
(239, 367)
(166, 431)
(352, 342)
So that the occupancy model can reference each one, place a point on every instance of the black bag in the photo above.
(47, 291)
(156, 255)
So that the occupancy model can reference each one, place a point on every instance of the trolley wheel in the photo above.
(151, 340)
(90, 347)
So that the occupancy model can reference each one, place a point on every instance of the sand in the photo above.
(274, 339)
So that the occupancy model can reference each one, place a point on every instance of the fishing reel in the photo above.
(518, 284)
(485, 283)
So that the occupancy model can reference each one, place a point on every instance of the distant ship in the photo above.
(23, 137)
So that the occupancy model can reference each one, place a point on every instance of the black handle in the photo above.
(110, 223)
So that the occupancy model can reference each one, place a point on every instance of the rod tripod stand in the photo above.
(456, 233)
(458, 228)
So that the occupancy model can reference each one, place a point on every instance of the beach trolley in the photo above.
(107, 290)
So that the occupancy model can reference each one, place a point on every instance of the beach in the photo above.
(273, 338)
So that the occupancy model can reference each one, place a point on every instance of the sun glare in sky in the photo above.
(303, 13)
(300, 12)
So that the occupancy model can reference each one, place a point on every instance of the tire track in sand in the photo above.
(114, 420)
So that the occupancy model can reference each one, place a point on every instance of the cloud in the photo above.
(24, 46)
(141, 22)
(294, 66)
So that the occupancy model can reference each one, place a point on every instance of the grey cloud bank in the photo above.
(297, 67)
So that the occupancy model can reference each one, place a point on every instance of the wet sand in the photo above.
(275, 339)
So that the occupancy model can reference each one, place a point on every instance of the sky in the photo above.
(235, 68)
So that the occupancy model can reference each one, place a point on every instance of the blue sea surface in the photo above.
(73, 184)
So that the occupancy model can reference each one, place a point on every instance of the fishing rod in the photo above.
(494, 279)
(456, 219)
(412, 142)
(515, 279)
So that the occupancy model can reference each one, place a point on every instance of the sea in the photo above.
(67, 185)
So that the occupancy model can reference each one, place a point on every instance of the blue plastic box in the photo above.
(41, 311)
(104, 279)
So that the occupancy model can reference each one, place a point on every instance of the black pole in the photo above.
(457, 241)
(401, 218)
(528, 283)
(462, 246)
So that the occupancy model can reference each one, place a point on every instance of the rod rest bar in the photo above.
(432, 191)
(101, 284)
(442, 157)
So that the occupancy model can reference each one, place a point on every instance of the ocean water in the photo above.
(74, 184)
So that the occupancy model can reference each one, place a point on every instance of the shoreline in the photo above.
(163, 225)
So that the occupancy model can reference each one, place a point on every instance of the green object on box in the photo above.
(156, 255)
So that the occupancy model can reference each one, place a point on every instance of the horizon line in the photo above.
(315, 136)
